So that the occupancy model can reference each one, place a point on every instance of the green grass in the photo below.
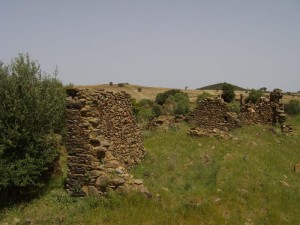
(193, 181)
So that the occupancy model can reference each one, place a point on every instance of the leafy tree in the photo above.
(254, 95)
(32, 108)
(228, 92)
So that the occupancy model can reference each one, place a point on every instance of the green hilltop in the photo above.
(219, 86)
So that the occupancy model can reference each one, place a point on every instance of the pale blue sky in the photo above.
(178, 43)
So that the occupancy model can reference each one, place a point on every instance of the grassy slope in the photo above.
(194, 181)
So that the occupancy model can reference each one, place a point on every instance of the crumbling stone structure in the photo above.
(213, 113)
(103, 142)
(263, 112)
(268, 111)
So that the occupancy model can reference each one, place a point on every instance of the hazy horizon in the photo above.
(173, 44)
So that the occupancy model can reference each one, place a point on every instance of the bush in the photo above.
(156, 108)
(235, 106)
(111, 83)
(146, 102)
(135, 107)
(203, 96)
(228, 92)
(145, 115)
(161, 98)
(182, 104)
(32, 109)
(145, 110)
(139, 89)
(293, 107)
(254, 95)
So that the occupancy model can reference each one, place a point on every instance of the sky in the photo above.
(163, 43)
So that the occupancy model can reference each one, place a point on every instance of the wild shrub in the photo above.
(145, 110)
(156, 108)
(234, 106)
(228, 92)
(32, 108)
(182, 104)
(146, 102)
(254, 95)
(161, 98)
(292, 107)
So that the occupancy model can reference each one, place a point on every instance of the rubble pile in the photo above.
(200, 132)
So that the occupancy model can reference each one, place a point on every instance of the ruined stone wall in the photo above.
(260, 113)
(211, 114)
(103, 142)
(267, 110)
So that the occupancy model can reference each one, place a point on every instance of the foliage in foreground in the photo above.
(245, 180)
(31, 111)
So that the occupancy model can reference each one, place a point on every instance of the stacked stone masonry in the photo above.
(213, 114)
(103, 143)
(266, 111)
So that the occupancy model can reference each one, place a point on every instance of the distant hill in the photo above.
(218, 86)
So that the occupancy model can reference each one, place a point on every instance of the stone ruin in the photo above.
(213, 113)
(103, 143)
(267, 111)
(212, 116)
